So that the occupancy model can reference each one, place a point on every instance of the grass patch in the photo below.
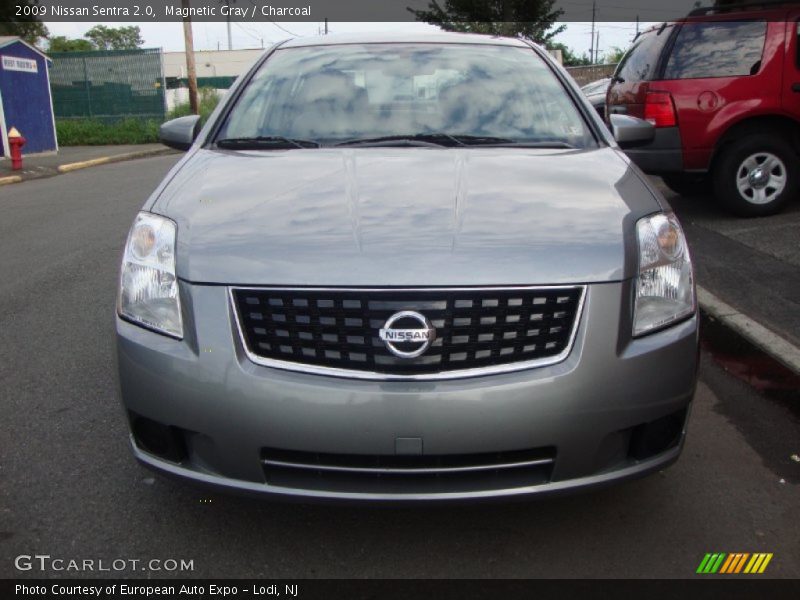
(207, 99)
(89, 132)
(129, 130)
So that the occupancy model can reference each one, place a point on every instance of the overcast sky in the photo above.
(209, 36)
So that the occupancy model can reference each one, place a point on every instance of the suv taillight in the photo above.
(659, 109)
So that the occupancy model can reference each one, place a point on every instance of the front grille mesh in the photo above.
(474, 328)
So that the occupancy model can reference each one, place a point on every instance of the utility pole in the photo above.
(597, 46)
(228, 19)
(326, 25)
(191, 72)
(637, 25)
(591, 46)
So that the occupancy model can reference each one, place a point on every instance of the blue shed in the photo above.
(25, 100)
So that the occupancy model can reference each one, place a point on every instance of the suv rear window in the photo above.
(640, 62)
(721, 49)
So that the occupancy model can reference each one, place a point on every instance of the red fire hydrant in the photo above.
(16, 142)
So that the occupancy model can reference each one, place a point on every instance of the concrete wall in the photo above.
(212, 63)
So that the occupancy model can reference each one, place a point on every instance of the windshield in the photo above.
(442, 94)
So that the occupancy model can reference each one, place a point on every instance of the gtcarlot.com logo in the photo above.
(45, 562)
(735, 563)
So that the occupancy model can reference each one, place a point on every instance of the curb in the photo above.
(84, 164)
(104, 160)
(777, 347)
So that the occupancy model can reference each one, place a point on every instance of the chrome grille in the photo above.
(335, 331)
(397, 474)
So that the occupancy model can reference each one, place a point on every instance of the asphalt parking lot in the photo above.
(69, 487)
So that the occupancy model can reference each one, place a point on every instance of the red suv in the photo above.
(722, 88)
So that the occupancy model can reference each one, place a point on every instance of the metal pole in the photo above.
(87, 87)
(591, 45)
(163, 80)
(597, 46)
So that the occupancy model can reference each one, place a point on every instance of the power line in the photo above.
(274, 23)
(240, 26)
(282, 28)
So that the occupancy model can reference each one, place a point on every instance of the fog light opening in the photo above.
(161, 440)
(655, 437)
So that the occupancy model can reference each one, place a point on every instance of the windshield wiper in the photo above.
(277, 142)
(450, 140)
(493, 141)
(416, 139)
(542, 144)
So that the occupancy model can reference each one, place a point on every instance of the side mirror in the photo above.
(180, 133)
(630, 131)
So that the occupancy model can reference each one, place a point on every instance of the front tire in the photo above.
(756, 175)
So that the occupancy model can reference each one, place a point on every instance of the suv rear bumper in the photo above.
(663, 155)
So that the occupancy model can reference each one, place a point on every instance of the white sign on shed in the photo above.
(12, 63)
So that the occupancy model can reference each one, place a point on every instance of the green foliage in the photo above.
(569, 58)
(614, 55)
(60, 43)
(115, 38)
(28, 28)
(98, 37)
(530, 19)
(90, 132)
(207, 99)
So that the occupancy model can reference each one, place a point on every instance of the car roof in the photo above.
(444, 37)
(772, 8)
(765, 8)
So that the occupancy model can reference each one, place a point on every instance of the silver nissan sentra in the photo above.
(409, 268)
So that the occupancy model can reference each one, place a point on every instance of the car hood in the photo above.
(405, 216)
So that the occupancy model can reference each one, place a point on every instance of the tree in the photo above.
(60, 43)
(115, 38)
(568, 57)
(614, 55)
(27, 27)
(530, 19)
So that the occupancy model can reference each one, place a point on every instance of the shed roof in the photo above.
(6, 40)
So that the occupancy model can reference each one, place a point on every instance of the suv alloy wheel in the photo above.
(756, 175)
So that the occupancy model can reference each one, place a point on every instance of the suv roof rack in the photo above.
(738, 6)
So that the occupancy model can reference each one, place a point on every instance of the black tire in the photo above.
(730, 168)
(688, 184)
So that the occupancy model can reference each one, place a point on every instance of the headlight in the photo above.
(148, 287)
(665, 285)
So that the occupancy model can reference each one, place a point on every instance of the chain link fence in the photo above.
(108, 85)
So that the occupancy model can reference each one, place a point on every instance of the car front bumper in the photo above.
(585, 413)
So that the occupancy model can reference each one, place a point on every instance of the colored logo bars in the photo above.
(741, 562)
